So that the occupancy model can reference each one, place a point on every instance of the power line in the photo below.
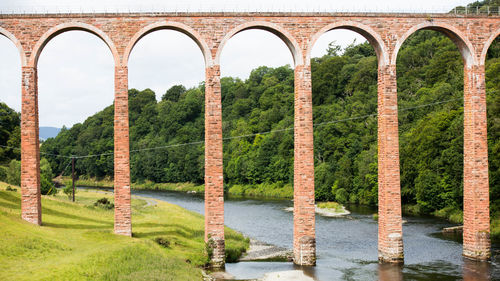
(240, 136)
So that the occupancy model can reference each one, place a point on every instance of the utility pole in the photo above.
(73, 176)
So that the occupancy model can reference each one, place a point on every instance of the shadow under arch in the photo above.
(371, 35)
(13, 39)
(190, 32)
(487, 45)
(275, 29)
(456, 36)
(69, 26)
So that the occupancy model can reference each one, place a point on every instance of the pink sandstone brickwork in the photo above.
(476, 234)
(214, 180)
(31, 207)
(304, 241)
(123, 211)
(386, 32)
(390, 229)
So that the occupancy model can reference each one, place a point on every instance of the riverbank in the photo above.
(281, 191)
(76, 241)
(263, 190)
(455, 215)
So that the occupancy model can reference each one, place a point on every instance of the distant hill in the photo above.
(48, 132)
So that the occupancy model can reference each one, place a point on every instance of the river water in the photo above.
(346, 246)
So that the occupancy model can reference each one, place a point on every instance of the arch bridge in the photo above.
(386, 32)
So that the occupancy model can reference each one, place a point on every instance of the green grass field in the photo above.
(76, 241)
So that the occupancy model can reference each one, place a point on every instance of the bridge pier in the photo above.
(214, 180)
(390, 229)
(31, 207)
(304, 236)
(123, 212)
(476, 234)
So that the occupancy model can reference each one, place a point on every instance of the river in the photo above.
(346, 246)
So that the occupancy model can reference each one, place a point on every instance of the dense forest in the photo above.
(258, 128)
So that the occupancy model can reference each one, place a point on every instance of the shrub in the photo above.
(14, 172)
(162, 241)
(3, 173)
(46, 186)
(104, 203)
(341, 195)
(68, 189)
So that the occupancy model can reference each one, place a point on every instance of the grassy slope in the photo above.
(76, 241)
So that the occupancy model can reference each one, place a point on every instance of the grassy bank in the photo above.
(76, 241)
(330, 205)
(274, 190)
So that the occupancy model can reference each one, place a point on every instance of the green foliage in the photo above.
(174, 93)
(10, 134)
(68, 189)
(3, 173)
(162, 241)
(330, 205)
(14, 172)
(46, 175)
(104, 203)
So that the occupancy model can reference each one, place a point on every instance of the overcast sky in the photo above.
(76, 68)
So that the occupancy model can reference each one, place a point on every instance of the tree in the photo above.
(174, 93)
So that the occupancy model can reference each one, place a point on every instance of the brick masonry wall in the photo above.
(31, 208)
(304, 238)
(386, 32)
(123, 212)
(214, 181)
(476, 234)
(390, 229)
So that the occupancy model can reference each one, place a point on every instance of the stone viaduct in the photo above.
(472, 35)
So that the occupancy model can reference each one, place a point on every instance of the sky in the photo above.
(76, 70)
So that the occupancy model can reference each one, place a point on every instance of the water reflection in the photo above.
(476, 270)
(390, 272)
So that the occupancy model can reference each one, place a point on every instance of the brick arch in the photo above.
(16, 42)
(482, 59)
(371, 35)
(185, 29)
(277, 30)
(464, 45)
(56, 30)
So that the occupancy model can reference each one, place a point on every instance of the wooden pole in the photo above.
(73, 176)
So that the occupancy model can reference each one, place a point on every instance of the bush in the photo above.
(3, 173)
(14, 173)
(46, 186)
(161, 241)
(105, 204)
(341, 195)
(68, 189)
